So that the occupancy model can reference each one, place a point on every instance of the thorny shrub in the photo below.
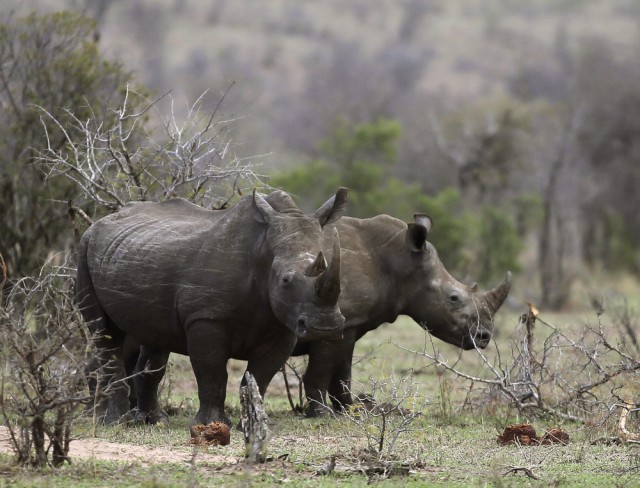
(571, 373)
(146, 155)
(44, 354)
(387, 412)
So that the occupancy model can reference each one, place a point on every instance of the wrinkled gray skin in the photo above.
(239, 283)
(390, 269)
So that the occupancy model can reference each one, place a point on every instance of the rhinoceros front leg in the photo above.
(340, 382)
(149, 371)
(329, 370)
(269, 360)
(209, 349)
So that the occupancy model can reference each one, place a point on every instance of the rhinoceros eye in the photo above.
(287, 279)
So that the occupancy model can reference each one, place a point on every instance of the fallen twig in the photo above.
(526, 471)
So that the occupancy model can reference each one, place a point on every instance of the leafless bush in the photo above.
(568, 375)
(383, 415)
(44, 354)
(141, 154)
(297, 367)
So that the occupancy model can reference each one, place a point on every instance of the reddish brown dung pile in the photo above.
(213, 434)
(525, 435)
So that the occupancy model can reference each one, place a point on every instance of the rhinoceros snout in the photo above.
(479, 339)
(301, 327)
(483, 338)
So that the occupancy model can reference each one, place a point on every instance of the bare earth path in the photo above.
(113, 451)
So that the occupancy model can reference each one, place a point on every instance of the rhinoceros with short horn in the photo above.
(243, 283)
(389, 268)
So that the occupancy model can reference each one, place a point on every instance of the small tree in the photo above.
(50, 61)
(498, 244)
(362, 158)
(387, 412)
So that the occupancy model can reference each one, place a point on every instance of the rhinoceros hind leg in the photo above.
(109, 374)
(149, 371)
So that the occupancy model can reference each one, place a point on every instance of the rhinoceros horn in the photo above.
(328, 283)
(496, 297)
(317, 267)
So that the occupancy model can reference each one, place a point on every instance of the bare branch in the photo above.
(129, 156)
(538, 382)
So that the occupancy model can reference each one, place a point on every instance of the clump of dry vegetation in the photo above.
(575, 374)
(45, 353)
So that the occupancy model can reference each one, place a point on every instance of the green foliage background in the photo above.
(49, 62)
(483, 244)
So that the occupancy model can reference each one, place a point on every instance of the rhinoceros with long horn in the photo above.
(243, 283)
(389, 268)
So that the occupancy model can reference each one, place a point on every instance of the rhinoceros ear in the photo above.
(332, 209)
(423, 219)
(261, 210)
(416, 237)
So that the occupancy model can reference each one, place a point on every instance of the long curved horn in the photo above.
(328, 283)
(496, 297)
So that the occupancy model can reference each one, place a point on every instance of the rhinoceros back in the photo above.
(153, 265)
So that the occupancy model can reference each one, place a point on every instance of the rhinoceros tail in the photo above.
(85, 293)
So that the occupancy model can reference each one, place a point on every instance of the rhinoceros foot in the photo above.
(154, 417)
(118, 411)
(315, 409)
(114, 418)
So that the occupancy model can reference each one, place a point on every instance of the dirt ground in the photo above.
(112, 451)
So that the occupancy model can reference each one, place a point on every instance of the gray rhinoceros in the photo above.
(390, 269)
(243, 283)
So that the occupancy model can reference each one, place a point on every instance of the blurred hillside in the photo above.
(300, 64)
(528, 107)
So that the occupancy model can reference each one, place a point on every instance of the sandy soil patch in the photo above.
(113, 451)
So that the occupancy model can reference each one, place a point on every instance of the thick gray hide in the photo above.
(388, 269)
(214, 285)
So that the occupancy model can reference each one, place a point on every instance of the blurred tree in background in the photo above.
(526, 119)
(48, 61)
(361, 157)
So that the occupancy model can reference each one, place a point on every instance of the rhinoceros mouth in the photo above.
(308, 327)
(301, 328)
(469, 343)
(478, 337)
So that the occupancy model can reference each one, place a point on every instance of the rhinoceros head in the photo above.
(450, 310)
(303, 287)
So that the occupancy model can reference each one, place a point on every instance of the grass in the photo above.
(446, 446)
(463, 453)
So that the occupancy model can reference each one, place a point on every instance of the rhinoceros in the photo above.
(389, 268)
(243, 283)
